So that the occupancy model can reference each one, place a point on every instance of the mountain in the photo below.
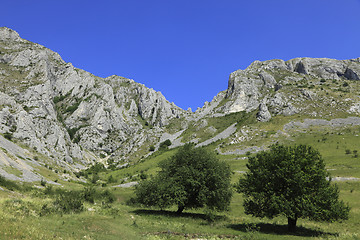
(54, 113)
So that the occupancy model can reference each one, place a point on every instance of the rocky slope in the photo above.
(277, 87)
(69, 116)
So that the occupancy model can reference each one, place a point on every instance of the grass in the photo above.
(333, 145)
(12, 170)
(125, 222)
(148, 166)
(121, 221)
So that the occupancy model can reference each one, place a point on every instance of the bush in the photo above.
(59, 98)
(108, 197)
(72, 108)
(95, 178)
(43, 182)
(111, 179)
(89, 194)
(72, 132)
(8, 136)
(69, 202)
(165, 144)
(143, 175)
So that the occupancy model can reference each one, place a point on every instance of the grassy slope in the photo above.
(126, 222)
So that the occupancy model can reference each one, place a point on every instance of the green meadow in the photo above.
(29, 212)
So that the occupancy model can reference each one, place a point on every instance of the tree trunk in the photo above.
(292, 224)
(180, 209)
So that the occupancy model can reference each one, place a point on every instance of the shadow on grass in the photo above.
(175, 214)
(276, 229)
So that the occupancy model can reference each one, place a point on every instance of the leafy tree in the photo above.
(192, 178)
(291, 181)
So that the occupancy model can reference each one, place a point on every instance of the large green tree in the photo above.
(291, 181)
(192, 178)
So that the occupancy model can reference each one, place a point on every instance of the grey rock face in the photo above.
(269, 81)
(276, 81)
(351, 74)
(326, 68)
(243, 91)
(263, 115)
(7, 34)
(301, 68)
(65, 112)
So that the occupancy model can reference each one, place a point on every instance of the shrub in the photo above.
(108, 196)
(72, 108)
(8, 136)
(111, 179)
(69, 202)
(95, 178)
(89, 194)
(152, 148)
(165, 144)
(143, 175)
(43, 182)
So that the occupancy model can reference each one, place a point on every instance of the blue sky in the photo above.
(185, 48)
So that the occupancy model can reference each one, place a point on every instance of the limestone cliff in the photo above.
(69, 114)
(300, 85)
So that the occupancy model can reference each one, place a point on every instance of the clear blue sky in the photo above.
(185, 48)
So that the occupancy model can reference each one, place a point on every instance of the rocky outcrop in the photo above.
(263, 115)
(280, 83)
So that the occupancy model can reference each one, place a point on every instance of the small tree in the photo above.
(192, 178)
(165, 144)
(291, 181)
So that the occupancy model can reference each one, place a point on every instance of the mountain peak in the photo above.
(7, 34)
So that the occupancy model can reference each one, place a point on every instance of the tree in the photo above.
(165, 144)
(291, 181)
(192, 178)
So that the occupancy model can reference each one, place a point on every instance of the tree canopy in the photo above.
(192, 178)
(291, 181)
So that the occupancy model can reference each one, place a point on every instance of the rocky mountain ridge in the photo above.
(263, 85)
(75, 119)
(67, 113)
